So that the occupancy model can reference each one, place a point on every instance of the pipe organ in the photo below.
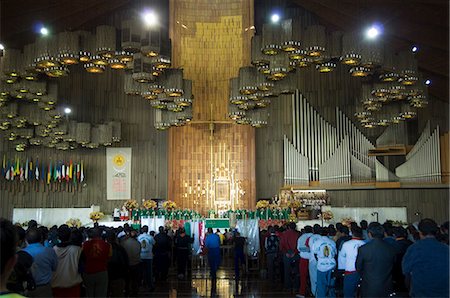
(322, 152)
(360, 145)
(296, 165)
(336, 169)
(423, 163)
(383, 174)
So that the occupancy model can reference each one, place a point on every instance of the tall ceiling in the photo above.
(424, 23)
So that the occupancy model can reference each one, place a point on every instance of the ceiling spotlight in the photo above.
(150, 18)
(275, 18)
(428, 82)
(67, 111)
(2, 47)
(414, 49)
(373, 32)
(44, 31)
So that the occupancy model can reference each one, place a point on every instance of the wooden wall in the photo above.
(431, 202)
(210, 42)
(98, 98)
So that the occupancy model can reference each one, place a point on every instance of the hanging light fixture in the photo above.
(87, 46)
(11, 63)
(279, 67)
(292, 35)
(131, 36)
(326, 67)
(408, 68)
(389, 67)
(351, 51)
(186, 99)
(360, 71)
(46, 49)
(315, 40)
(56, 71)
(271, 39)
(372, 53)
(29, 67)
(234, 112)
(68, 48)
(258, 58)
(151, 41)
(258, 117)
(247, 80)
(83, 133)
(173, 82)
(262, 83)
(142, 69)
(94, 68)
(407, 111)
(105, 37)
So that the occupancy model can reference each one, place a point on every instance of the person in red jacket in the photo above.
(288, 247)
(96, 254)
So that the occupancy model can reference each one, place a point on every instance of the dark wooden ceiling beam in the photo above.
(347, 17)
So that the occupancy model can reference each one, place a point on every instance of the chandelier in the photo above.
(287, 46)
(142, 53)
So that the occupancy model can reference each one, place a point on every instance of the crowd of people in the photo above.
(81, 262)
(367, 260)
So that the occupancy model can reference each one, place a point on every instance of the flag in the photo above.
(70, 170)
(30, 171)
(17, 168)
(67, 173)
(58, 172)
(49, 173)
(78, 172)
(82, 173)
(63, 171)
(55, 172)
(8, 172)
(12, 173)
(26, 170)
(21, 173)
(42, 173)
(4, 166)
(36, 170)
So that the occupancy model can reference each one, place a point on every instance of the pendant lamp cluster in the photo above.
(30, 116)
(287, 46)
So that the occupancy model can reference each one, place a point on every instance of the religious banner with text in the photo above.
(118, 173)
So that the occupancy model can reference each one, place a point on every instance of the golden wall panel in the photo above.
(210, 160)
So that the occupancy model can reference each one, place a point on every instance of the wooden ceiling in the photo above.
(424, 23)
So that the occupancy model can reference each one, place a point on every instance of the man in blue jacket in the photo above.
(425, 263)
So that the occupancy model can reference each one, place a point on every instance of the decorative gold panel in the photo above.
(211, 158)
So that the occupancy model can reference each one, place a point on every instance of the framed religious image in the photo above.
(222, 190)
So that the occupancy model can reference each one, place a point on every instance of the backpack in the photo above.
(273, 243)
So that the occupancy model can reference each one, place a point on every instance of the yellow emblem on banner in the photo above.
(119, 160)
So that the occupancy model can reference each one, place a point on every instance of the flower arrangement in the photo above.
(292, 217)
(327, 215)
(74, 223)
(263, 204)
(149, 204)
(347, 221)
(294, 204)
(169, 205)
(131, 204)
(96, 215)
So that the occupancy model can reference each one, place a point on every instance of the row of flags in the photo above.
(53, 171)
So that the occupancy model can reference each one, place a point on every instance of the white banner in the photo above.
(118, 173)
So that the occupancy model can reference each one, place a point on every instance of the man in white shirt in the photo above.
(312, 260)
(147, 242)
(324, 250)
(304, 259)
(348, 255)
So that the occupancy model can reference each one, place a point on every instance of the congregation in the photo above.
(365, 260)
